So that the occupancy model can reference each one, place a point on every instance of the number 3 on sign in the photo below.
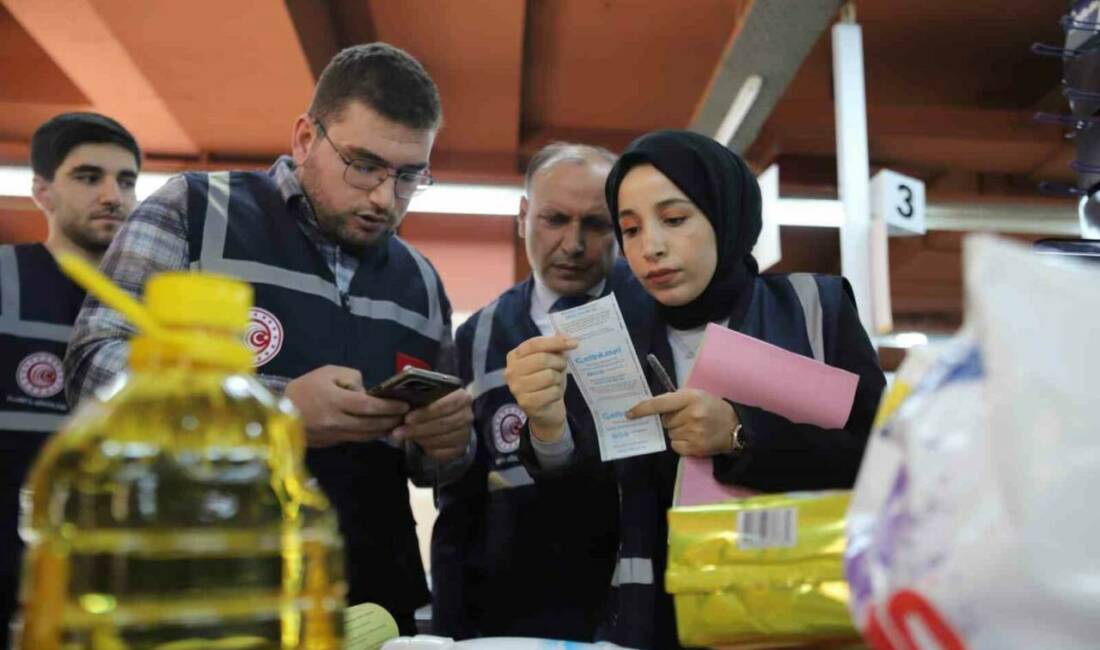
(906, 208)
(899, 201)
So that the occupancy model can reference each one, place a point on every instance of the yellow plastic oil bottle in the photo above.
(177, 514)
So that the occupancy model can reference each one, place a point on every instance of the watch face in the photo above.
(738, 442)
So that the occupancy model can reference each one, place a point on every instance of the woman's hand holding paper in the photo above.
(698, 423)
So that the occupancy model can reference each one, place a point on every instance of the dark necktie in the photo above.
(569, 302)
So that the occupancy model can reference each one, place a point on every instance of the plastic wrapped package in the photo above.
(971, 523)
(761, 572)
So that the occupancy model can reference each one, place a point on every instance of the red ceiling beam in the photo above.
(85, 46)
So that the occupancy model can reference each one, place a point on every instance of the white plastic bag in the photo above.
(973, 521)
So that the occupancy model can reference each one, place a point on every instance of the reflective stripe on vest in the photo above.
(507, 479)
(39, 422)
(484, 382)
(479, 355)
(212, 258)
(431, 286)
(633, 571)
(805, 286)
(10, 320)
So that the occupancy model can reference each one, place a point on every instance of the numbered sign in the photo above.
(899, 201)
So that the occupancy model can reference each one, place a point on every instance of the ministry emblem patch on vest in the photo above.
(507, 424)
(264, 335)
(40, 375)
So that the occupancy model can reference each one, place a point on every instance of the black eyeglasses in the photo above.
(367, 175)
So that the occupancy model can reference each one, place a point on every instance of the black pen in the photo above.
(659, 370)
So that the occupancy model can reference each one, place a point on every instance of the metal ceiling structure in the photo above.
(951, 89)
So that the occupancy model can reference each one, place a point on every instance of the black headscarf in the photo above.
(720, 184)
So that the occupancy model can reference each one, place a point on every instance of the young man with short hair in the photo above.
(342, 303)
(85, 169)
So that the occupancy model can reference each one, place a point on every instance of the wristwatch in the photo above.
(737, 444)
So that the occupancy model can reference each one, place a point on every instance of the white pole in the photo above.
(853, 166)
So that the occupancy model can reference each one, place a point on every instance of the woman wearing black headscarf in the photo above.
(687, 213)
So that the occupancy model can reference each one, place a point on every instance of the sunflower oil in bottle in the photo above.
(177, 514)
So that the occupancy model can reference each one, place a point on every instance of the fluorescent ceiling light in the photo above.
(16, 181)
(739, 109)
(503, 200)
(454, 198)
(149, 182)
(447, 198)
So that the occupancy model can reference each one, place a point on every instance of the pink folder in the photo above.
(696, 485)
(751, 372)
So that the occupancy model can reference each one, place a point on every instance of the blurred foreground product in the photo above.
(429, 642)
(972, 522)
(368, 626)
(178, 512)
(761, 572)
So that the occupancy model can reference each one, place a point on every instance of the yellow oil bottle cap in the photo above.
(180, 299)
(195, 316)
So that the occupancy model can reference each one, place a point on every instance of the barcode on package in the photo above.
(773, 528)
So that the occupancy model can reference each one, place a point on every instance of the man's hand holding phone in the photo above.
(442, 428)
(430, 409)
(336, 409)
(439, 422)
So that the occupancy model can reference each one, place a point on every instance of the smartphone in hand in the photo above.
(416, 387)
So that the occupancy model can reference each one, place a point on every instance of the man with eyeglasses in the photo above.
(341, 302)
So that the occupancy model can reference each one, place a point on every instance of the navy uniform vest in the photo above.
(511, 557)
(811, 315)
(394, 314)
(38, 306)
